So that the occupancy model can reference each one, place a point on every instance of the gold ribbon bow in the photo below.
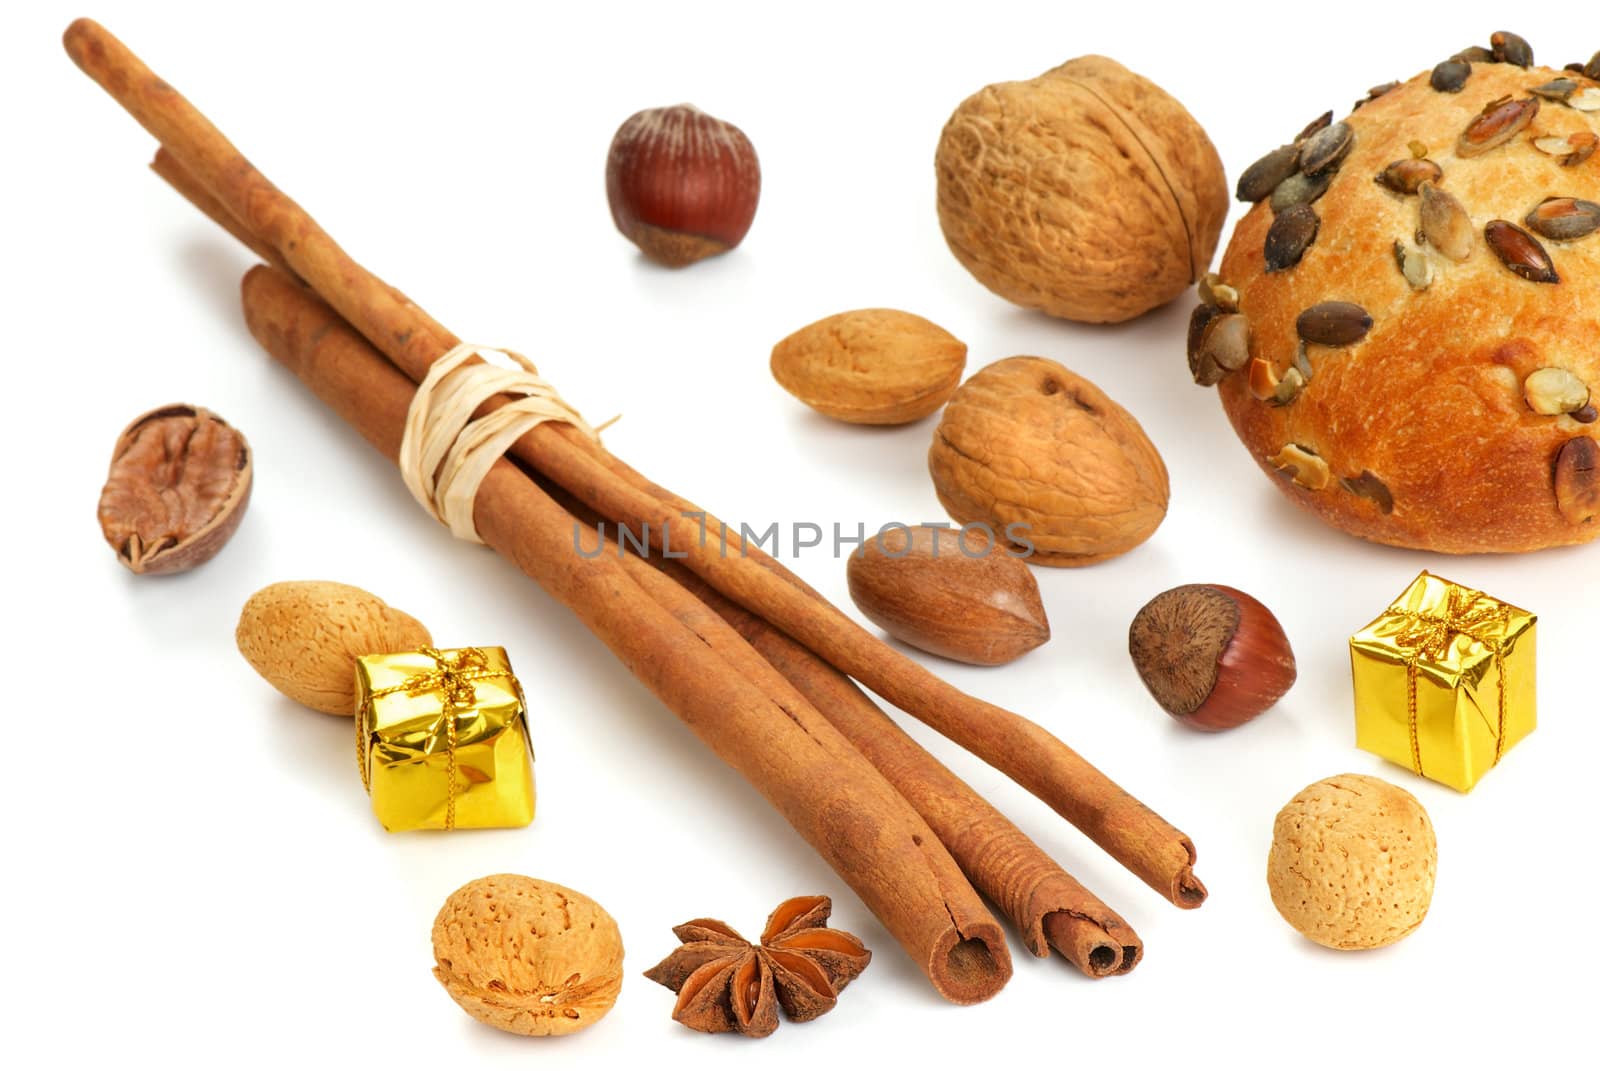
(452, 678)
(1427, 636)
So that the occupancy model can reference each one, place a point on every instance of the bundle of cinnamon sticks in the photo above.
(758, 664)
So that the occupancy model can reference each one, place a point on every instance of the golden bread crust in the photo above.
(1430, 401)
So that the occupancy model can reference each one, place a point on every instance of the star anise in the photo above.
(726, 983)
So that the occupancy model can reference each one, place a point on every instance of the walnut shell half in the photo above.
(1043, 457)
(1087, 192)
(177, 489)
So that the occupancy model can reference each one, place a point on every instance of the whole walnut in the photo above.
(1043, 458)
(527, 956)
(1087, 192)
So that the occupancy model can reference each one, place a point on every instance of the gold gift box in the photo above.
(442, 739)
(1444, 681)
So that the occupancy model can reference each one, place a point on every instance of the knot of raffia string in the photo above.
(452, 678)
(446, 453)
(1426, 637)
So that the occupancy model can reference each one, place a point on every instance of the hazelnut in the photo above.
(527, 956)
(683, 185)
(1212, 656)
(1352, 862)
(1086, 192)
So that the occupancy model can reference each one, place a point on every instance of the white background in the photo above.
(194, 874)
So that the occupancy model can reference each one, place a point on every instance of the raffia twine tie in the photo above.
(445, 454)
(452, 678)
(1427, 637)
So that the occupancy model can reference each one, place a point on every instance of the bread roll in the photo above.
(1430, 428)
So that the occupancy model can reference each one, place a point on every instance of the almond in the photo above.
(871, 366)
(527, 956)
(304, 636)
(950, 593)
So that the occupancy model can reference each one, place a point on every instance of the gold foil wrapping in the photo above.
(442, 739)
(1444, 681)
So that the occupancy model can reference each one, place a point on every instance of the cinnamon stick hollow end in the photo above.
(971, 964)
(1097, 947)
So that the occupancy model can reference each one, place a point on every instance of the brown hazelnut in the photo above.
(1086, 192)
(1212, 656)
(683, 185)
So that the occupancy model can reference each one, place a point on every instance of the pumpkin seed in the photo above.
(1572, 150)
(1475, 54)
(1333, 323)
(1302, 361)
(1225, 343)
(1554, 391)
(1520, 251)
(1509, 48)
(1326, 148)
(1404, 176)
(1370, 487)
(1299, 189)
(1450, 76)
(1268, 387)
(1302, 465)
(1374, 93)
(1319, 123)
(1213, 291)
(1592, 68)
(1414, 265)
(1199, 320)
(1290, 235)
(1263, 176)
(1498, 123)
(1445, 224)
(1577, 480)
(1560, 89)
(1585, 100)
(1564, 218)
(1584, 144)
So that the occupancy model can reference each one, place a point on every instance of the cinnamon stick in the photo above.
(167, 167)
(827, 791)
(1048, 906)
(1132, 833)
